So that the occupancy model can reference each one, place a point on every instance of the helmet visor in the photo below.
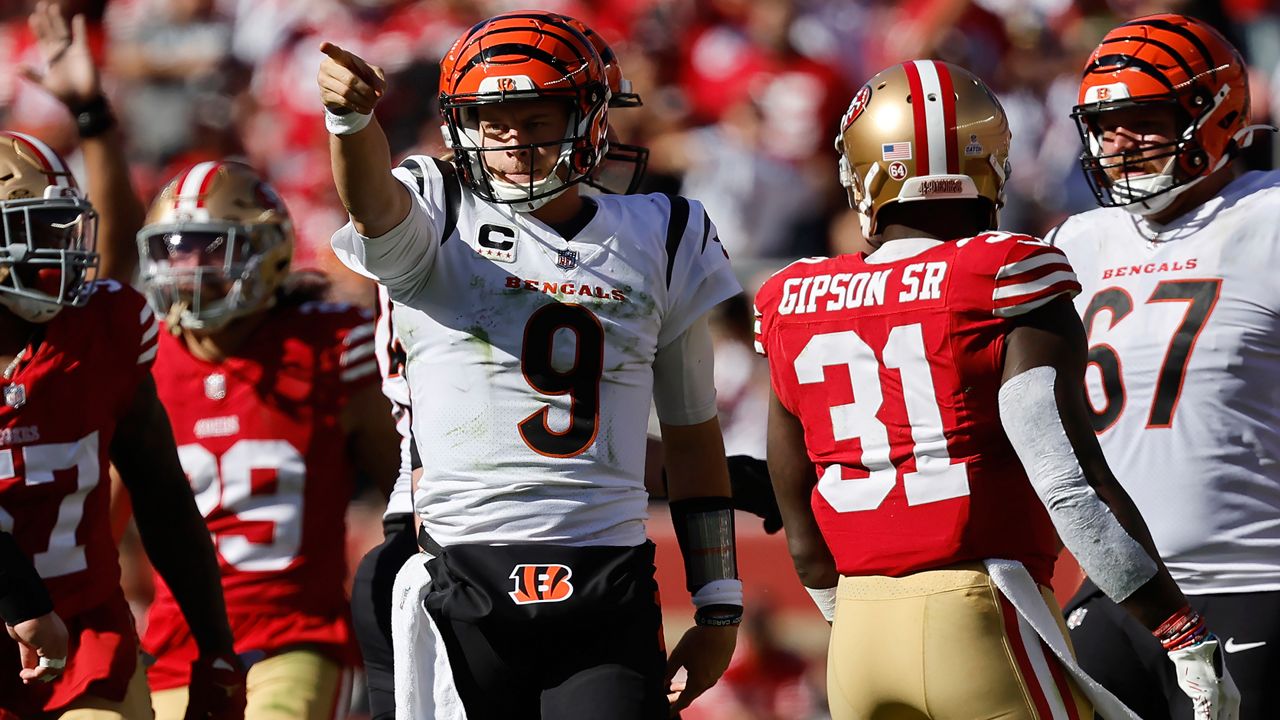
(203, 269)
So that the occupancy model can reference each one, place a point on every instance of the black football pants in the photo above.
(371, 610)
(554, 632)
(1120, 653)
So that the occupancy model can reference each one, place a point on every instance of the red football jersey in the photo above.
(260, 438)
(893, 369)
(56, 428)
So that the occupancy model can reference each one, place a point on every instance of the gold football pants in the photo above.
(943, 645)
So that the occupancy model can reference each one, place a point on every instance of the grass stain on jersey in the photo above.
(477, 335)
(466, 432)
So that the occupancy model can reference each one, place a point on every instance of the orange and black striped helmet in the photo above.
(525, 55)
(624, 165)
(1175, 61)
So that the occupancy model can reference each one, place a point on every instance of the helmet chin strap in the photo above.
(1152, 193)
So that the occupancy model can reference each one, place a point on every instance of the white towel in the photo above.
(1023, 593)
(423, 679)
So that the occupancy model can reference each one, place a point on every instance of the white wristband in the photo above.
(719, 592)
(825, 599)
(347, 123)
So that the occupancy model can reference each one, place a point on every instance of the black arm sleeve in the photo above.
(22, 593)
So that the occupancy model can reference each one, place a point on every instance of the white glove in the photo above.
(1214, 696)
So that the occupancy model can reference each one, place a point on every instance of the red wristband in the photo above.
(1183, 629)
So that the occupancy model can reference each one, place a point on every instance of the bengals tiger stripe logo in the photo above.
(541, 583)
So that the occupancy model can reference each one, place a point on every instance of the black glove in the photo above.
(752, 490)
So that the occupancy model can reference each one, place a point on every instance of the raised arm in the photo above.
(361, 158)
(72, 76)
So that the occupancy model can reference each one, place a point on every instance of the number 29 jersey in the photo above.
(892, 363)
(261, 440)
(530, 358)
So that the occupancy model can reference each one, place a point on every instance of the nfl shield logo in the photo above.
(567, 260)
(215, 386)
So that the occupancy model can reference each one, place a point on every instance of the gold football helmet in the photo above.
(922, 130)
(217, 244)
(47, 261)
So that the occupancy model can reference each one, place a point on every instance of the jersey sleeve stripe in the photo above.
(1032, 263)
(359, 371)
(356, 354)
(706, 229)
(1027, 303)
(1005, 292)
(676, 224)
(150, 332)
(358, 334)
(149, 354)
(452, 197)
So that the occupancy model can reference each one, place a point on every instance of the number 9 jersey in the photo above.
(892, 363)
(530, 357)
(261, 440)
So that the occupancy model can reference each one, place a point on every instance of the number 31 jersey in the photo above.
(1184, 352)
(261, 440)
(892, 363)
(529, 357)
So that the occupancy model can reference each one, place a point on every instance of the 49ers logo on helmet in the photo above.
(856, 107)
(541, 583)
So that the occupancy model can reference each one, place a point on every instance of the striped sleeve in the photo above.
(1031, 275)
(358, 363)
(757, 332)
(150, 342)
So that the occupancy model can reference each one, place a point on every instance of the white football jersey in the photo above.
(530, 357)
(390, 354)
(1184, 376)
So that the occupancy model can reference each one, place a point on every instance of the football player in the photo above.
(1183, 321)
(276, 407)
(78, 396)
(272, 397)
(927, 434)
(620, 172)
(538, 324)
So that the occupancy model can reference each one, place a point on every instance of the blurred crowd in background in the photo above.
(741, 104)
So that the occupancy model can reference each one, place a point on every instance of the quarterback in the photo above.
(927, 435)
(538, 325)
(1183, 321)
(371, 598)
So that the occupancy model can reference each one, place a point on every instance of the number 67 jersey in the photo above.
(892, 363)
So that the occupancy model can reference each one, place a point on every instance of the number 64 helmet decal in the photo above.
(923, 130)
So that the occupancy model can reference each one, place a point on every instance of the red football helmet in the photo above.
(1170, 61)
(525, 55)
